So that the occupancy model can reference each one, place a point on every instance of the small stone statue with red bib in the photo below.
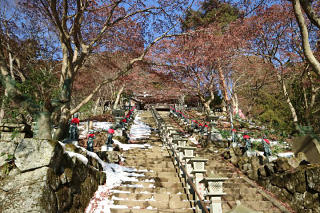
(246, 139)
(73, 129)
(266, 146)
(91, 137)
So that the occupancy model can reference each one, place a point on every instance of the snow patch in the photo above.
(285, 154)
(139, 130)
(131, 146)
(78, 156)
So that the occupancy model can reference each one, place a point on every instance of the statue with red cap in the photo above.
(266, 146)
(109, 141)
(73, 129)
(91, 137)
(247, 141)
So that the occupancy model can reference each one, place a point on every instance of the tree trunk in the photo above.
(3, 105)
(288, 100)
(96, 106)
(305, 37)
(118, 97)
(235, 102)
(207, 107)
(223, 85)
(44, 125)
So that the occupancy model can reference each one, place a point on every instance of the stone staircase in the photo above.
(157, 188)
(236, 187)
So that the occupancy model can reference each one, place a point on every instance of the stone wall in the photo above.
(289, 179)
(39, 176)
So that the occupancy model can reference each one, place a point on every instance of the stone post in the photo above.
(198, 170)
(215, 192)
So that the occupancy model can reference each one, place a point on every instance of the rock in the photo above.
(33, 153)
(277, 180)
(313, 178)
(311, 201)
(55, 183)
(269, 169)
(262, 172)
(216, 137)
(27, 192)
(308, 145)
(295, 182)
(282, 165)
(12, 136)
(254, 166)
(6, 150)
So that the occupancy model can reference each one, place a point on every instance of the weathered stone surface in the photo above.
(311, 201)
(6, 149)
(282, 165)
(33, 153)
(309, 146)
(12, 136)
(55, 184)
(12, 127)
(313, 178)
(27, 192)
(295, 182)
(216, 137)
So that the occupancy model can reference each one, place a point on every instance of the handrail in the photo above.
(187, 177)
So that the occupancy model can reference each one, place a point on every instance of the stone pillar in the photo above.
(198, 170)
(215, 192)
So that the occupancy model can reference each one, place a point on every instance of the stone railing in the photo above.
(191, 168)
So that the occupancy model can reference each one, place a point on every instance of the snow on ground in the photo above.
(139, 130)
(131, 146)
(286, 154)
(116, 174)
(97, 126)
(193, 140)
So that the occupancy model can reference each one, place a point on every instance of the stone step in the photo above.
(119, 210)
(174, 203)
(158, 179)
(153, 196)
(262, 206)
(135, 189)
(147, 163)
(157, 169)
(153, 184)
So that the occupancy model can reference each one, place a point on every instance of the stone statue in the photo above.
(247, 141)
(73, 129)
(266, 146)
(109, 141)
(91, 137)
